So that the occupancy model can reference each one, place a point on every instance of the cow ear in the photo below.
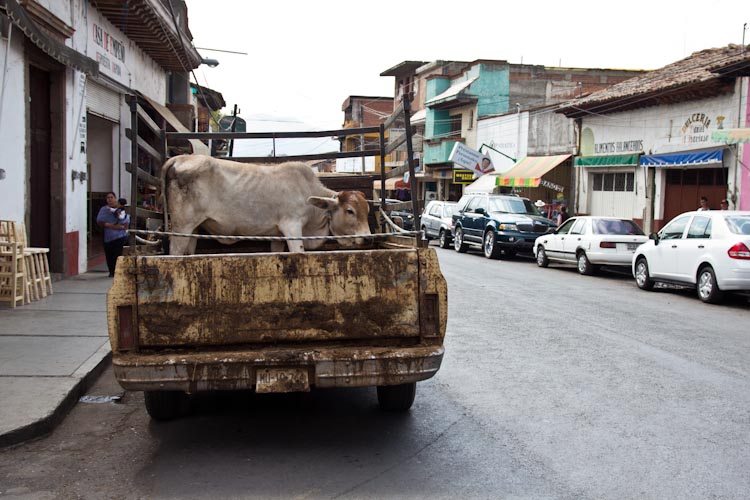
(323, 203)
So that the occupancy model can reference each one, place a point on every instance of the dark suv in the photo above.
(497, 223)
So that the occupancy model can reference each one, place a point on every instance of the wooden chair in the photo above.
(12, 265)
(38, 279)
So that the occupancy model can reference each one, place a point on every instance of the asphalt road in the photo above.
(554, 385)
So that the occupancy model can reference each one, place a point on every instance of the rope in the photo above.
(397, 228)
(402, 232)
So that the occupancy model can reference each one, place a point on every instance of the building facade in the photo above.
(650, 147)
(64, 118)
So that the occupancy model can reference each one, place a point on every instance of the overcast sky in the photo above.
(306, 57)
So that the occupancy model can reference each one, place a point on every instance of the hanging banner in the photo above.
(464, 157)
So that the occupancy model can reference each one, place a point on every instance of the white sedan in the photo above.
(590, 242)
(709, 250)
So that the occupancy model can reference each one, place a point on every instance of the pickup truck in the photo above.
(278, 322)
(250, 318)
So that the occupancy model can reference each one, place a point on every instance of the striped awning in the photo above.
(684, 159)
(529, 171)
(731, 135)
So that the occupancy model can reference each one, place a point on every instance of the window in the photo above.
(578, 227)
(565, 228)
(739, 224)
(674, 230)
(435, 210)
(700, 227)
(473, 203)
(614, 181)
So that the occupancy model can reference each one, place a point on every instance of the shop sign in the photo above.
(463, 176)
(471, 159)
(695, 129)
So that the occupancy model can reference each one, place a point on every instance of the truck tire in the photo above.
(396, 398)
(444, 241)
(166, 405)
(490, 247)
(458, 241)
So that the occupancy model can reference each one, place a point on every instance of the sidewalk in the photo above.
(51, 351)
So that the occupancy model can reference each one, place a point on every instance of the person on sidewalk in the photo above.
(115, 221)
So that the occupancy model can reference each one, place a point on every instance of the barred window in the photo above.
(616, 181)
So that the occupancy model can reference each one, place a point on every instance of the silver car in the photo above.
(437, 222)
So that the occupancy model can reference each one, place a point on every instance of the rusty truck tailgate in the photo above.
(205, 300)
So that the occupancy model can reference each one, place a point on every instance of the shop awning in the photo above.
(731, 135)
(51, 46)
(529, 171)
(484, 184)
(684, 159)
(391, 184)
(607, 161)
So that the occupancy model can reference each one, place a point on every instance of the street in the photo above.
(553, 386)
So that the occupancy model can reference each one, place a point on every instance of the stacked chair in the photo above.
(24, 271)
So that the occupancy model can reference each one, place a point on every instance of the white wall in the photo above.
(12, 128)
(507, 133)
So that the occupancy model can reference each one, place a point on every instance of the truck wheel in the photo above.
(491, 250)
(458, 241)
(424, 234)
(397, 398)
(541, 257)
(166, 405)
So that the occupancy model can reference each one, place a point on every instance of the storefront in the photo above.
(684, 177)
(607, 185)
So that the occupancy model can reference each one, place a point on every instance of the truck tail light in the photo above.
(739, 251)
(607, 244)
(125, 330)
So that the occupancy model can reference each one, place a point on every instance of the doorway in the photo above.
(100, 136)
(684, 188)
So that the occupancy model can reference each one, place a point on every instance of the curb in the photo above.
(47, 424)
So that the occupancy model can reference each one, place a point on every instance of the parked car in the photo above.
(400, 212)
(437, 222)
(497, 223)
(590, 242)
(706, 249)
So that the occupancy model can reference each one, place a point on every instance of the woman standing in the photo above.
(115, 221)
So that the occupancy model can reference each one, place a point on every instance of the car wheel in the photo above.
(584, 265)
(444, 243)
(642, 276)
(458, 241)
(491, 250)
(424, 234)
(396, 398)
(708, 290)
(541, 257)
(166, 405)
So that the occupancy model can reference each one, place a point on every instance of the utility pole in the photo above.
(234, 124)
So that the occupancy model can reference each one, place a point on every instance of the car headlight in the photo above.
(507, 227)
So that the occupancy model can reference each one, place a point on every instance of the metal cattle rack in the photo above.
(153, 142)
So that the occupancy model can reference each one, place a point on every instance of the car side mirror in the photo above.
(655, 237)
(479, 210)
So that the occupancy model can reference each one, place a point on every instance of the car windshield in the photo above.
(512, 206)
(615, 226)
(739, 224)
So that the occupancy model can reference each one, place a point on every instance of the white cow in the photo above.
(231, 198)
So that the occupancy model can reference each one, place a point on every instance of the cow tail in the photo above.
(164, 179)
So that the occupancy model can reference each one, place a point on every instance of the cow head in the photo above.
(347, 212)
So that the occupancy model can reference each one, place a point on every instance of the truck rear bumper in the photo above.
(231, 370)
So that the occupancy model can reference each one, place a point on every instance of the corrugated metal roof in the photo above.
(452, 92)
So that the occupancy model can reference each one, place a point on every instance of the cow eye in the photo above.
(350, 211)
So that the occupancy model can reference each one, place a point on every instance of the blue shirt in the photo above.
(108, 215)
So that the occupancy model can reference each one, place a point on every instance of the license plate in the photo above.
(633, 246)
(282, 380)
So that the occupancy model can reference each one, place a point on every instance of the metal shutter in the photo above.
(102, 101)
